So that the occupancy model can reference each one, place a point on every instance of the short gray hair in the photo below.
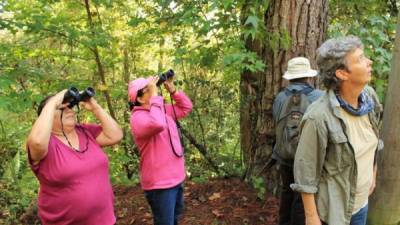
(331, 57)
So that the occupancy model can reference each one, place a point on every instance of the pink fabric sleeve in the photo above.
(148, 123)
(34, 167)
(183, 106)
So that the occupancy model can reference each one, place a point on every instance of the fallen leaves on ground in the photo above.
(216, 202)
(219, 202)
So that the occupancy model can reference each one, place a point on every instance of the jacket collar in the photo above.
(334, 103)
(335, 106)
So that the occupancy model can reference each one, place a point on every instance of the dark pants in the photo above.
(166, 204)
(291, 210)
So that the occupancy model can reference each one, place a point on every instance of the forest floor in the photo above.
(216, 202)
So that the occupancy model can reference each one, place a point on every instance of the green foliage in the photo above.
(374, 23)
(278, 40)
(258, 183)
(118, 161)
(253, 16)
(18, 187)
(46, 46)
(18, 190)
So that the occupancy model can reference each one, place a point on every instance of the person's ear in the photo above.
(342, 74)
(140, 100)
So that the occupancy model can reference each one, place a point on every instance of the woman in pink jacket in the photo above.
(155, 132)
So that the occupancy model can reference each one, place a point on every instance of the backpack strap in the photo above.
(287, 127)
(290, 96)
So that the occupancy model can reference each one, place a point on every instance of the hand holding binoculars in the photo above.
(164, 77)
(73, 96)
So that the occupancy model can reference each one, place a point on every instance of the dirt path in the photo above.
(222, 201)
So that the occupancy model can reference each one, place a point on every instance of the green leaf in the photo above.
(252, 20)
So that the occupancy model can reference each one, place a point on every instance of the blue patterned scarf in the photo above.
(365, 105)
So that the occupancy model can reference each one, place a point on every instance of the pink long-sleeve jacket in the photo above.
(160, 168)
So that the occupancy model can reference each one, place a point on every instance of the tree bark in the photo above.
(203, 150)
(130, 148)
(305, 22)
(385, 202)
(100, 67)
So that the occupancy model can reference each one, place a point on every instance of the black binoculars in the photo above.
(165, 76)
(73, 96)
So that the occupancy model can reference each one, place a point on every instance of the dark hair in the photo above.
(140, 93)
(299, 80)
(42, 104)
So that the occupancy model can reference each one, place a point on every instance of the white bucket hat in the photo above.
(299, 67)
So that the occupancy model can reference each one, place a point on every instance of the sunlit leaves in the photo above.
(375, 26)
(253, 21)
(244, 61)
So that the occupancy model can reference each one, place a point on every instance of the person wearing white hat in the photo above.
(299, 67)
(287, 115)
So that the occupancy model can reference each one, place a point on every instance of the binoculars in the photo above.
(165, 76)
(73, 96)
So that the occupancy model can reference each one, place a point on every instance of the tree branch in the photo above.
(100, 67)
(203, 151)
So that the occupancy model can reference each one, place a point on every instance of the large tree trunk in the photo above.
(385, 202)
(305, 23)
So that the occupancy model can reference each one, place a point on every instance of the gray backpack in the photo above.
(288, 123)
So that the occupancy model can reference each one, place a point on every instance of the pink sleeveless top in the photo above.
(75, 187)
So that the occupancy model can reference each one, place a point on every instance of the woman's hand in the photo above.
(90, 105)
(169, 85)
(56, 100)
(152, 87)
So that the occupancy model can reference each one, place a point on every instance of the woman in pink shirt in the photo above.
(70, 164)
(154, 129)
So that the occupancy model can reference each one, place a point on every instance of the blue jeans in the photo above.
(360, 218)
(166, 204)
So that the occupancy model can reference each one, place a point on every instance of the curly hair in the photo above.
(331, 57)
